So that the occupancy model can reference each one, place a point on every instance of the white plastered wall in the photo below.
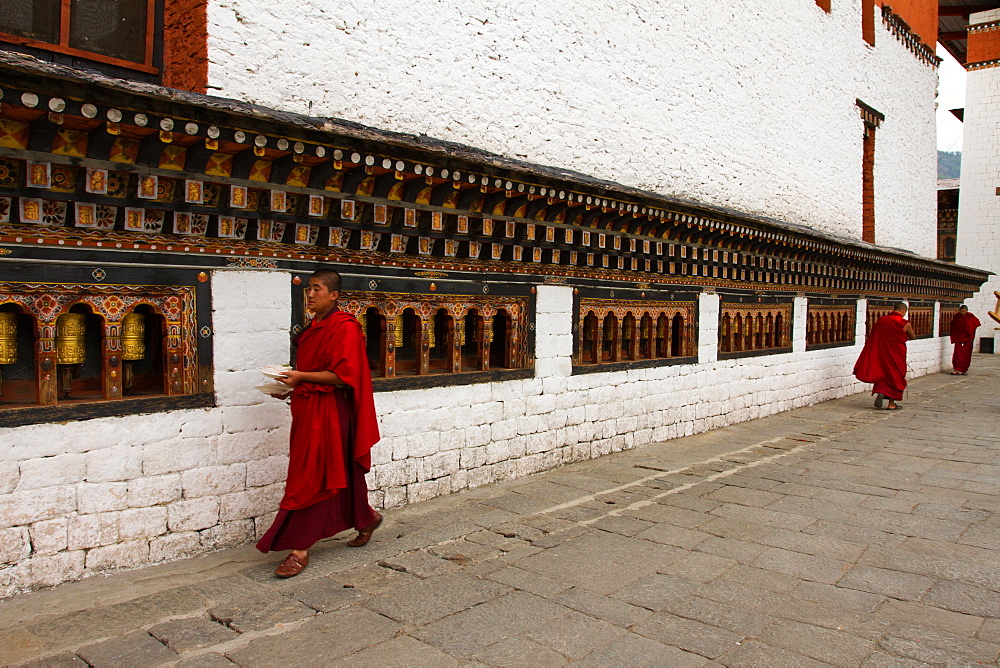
(979, 205)
(667, 96)
(85, 497)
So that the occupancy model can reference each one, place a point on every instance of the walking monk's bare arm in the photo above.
(294, 377)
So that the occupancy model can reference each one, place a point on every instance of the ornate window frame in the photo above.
(830, 323)
(414, 338)
(633, 331)
(177, 301)
(770, 330)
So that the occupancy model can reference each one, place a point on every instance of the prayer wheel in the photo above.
(133, 336)
(646, 330)
(431, 338)
(71, 336)
(363, 319)
(398, 333)
(8, 337)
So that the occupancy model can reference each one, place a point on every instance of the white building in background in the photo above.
(979, 206)
(569, 231)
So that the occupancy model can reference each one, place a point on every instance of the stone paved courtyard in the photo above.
(834, 534)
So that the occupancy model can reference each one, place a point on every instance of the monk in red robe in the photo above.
(333, 430)
(963, 334)
(883, 359)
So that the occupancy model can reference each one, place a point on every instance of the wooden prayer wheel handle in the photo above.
(995, 313)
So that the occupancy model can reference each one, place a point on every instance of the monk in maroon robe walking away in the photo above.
(333, 430)
(883, 359)
(963, 335)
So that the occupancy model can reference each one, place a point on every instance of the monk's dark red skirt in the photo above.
(348, 508)
(962, 357)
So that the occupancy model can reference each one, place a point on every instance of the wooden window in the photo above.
(868, 185)
(830, 324)
(868, 21)
(83, 345)
(115, 32)
(922, 320)
(627, 331)
(948, 312)
(426, 335)
(747, 328)
(872, 120)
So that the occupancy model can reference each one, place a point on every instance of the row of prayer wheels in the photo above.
(431, 338)
(71, 337)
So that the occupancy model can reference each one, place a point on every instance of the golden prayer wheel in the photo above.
(71, 338)
(133, 336)
(8, 337)
(398, 334)
(363, 319)
(646, 330)
(429, 328)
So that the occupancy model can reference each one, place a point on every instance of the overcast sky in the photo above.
(951, 95)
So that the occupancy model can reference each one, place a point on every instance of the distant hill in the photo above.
(949, 164)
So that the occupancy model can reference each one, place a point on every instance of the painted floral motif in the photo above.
(117, 184)
(153, 221)
(277, 232)
(106, 216)
(63, 178)
(53, 213)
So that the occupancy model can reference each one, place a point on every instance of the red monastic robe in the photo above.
(883, 359)
(316, 466)
(333, 431)
(963, 327)
(963, 334)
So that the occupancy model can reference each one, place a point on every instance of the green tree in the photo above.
(949, 164)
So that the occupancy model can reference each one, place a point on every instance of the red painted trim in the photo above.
(58, 48)
(185, 45)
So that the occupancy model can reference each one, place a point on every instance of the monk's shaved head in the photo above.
(900, 306)
(329, 278)
(963, 307)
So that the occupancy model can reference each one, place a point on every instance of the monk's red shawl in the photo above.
(316, 466)
(883, 359)
(963, 327)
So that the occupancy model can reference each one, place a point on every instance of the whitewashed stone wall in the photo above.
(85, 497)
(80, 498)
(745, 105)
(979, 206)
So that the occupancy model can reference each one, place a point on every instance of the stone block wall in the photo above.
(85, 497)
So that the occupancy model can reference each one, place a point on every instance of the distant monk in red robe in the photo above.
(963, 334)
(333, 430)
(883, 359)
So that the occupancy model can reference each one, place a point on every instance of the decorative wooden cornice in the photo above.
(899, 28)
(207, 175)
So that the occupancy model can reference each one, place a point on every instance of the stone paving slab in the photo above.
(831, 534)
